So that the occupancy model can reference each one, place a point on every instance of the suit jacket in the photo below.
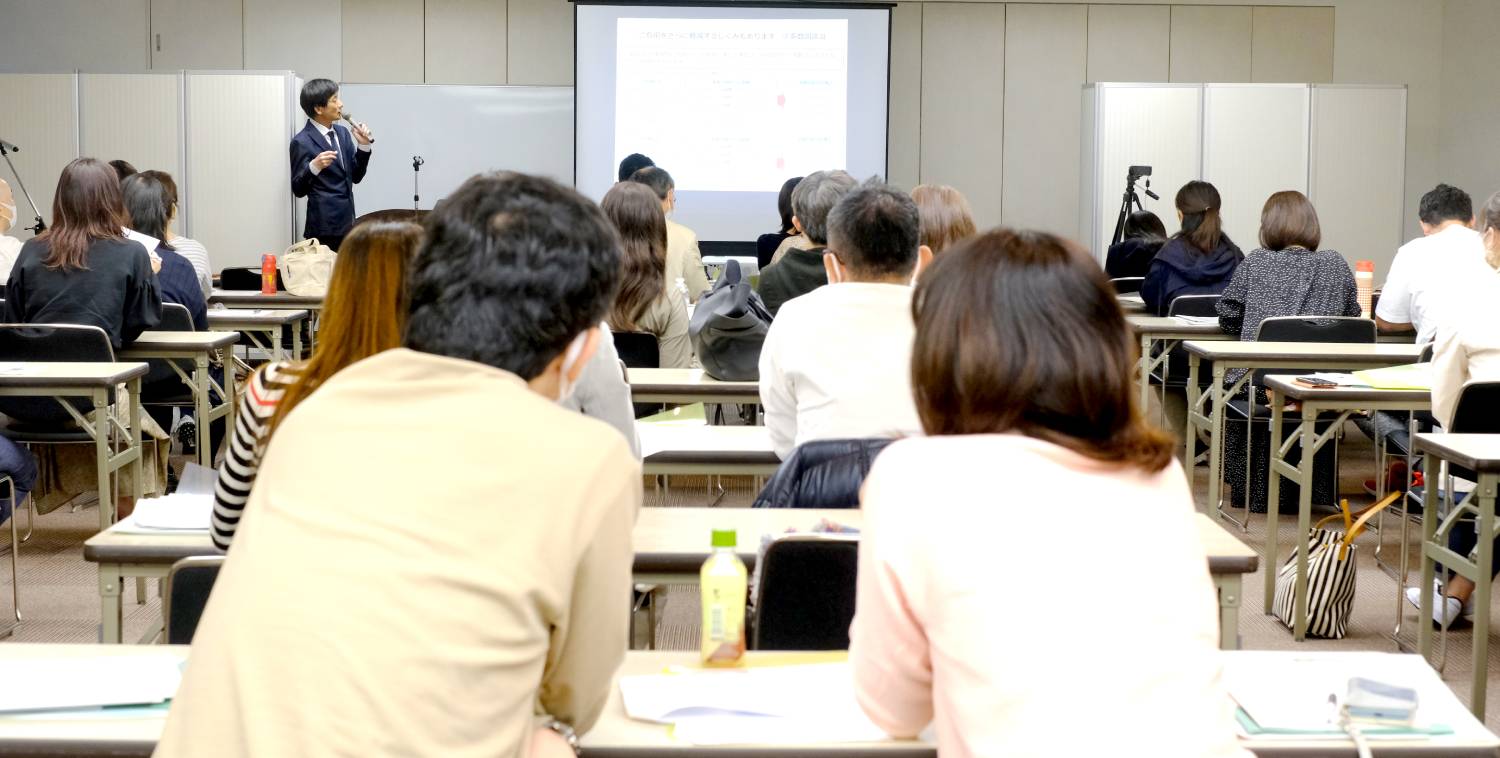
(330, 192)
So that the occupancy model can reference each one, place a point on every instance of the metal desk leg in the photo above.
(1229, 587)
(230, 398)
(1218, 398)
(1273, 512)
(134, 441)
(1190, 437)
(1143, 371)
(1309, 433)
(110, 616)
(296, 341)
(1483, 585)
(201, 407)
(103, 432)
(1429, 529)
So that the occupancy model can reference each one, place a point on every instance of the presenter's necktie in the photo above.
(333, 139)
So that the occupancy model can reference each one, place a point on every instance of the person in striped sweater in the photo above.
(364, 313)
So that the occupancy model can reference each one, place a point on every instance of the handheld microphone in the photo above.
(354, 125)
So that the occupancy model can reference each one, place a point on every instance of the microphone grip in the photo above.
(353, 125)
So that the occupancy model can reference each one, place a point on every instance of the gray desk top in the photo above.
(669, 443)
(188, 341)
(256, 299)
(1338, 352)
(1480, 452)
(254, 316)
(1286, 385)
(30, 374)
(685, 380)
(1144, 324)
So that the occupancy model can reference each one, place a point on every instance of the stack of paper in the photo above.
(45, 684)
(771, 705)
(176, 511)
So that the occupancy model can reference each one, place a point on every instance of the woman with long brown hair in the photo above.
(364, 313)
(1021, 370)
(645, 303)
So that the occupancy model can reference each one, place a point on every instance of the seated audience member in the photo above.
(946, 218)
(633, 163)
(1197, 261)
(149, 206)
(645, 303)
(1466, 349)
(1022, 371)
(1144, 237)
(191, 249)
(511, 560)
(123, 169)
(684, 267)
(1287, 276)
(363, 314)
(82, 270)
(801, 271)
(10, 247)
(767, 244)
(1426, 269)
(17, 463)
(834, 364)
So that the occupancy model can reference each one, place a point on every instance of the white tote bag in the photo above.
(306, 268)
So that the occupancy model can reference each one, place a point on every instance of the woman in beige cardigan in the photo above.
(645, 303)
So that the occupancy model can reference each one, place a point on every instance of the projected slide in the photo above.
(733, 105)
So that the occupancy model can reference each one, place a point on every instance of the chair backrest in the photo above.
(638, 349)
(188, 585)
(1316, 329)
(821, 474)
(1194, 305)
(246, 278)
(805, 598)
(175, 318)
(1127, 284)
(1478, 409)
(55, 343)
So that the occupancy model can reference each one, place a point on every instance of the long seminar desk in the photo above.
(1293, 356)
(687, 385)
(261, 327)
(256, 300)
(133, 732)
(198, 347)
(1167, 332)
(671, 545)
(717, 450)
(1319, 406)
(95, 383)
(1480, 454)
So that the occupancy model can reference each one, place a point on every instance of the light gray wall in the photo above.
(973, 103)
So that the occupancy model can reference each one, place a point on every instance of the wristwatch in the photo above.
(565, 731)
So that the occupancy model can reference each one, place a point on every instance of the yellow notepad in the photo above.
(1412, 376)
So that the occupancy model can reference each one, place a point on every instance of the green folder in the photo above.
(1254, 729)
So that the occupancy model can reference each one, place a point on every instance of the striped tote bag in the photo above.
(1331, 574)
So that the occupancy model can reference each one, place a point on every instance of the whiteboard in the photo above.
(459, 130)
(1255, 144)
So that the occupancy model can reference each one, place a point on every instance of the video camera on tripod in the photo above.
(1132, 200)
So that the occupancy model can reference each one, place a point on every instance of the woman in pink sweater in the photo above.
(1037, 477)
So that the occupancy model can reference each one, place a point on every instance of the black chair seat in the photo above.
(17, 431)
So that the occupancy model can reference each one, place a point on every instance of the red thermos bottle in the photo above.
(268, 274)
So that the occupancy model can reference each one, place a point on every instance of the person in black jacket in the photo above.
(801, 270)
(1132, 256)
(766, 244)
(1200, 259)
(326, 164)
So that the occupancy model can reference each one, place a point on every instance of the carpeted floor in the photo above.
(60, 590)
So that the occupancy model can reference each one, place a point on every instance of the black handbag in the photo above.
(728, 327)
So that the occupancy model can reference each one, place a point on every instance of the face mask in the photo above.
(7, 217)
(565, 386)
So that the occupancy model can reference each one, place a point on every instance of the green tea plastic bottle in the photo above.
(723, 583)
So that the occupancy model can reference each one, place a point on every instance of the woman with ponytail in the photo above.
(1200, 259)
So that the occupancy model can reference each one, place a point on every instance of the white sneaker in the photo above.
(1445, 610)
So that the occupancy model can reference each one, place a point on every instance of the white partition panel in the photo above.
(40, 118)
(238, 175)
(137, 118)
(1358, 171)
(1157, 125)
(1255, 143)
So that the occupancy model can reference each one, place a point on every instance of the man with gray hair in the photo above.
(800, 271)
(835, 364)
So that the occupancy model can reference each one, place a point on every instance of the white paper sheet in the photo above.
(1292, 692)
(1198, 320)
(42, 684)
(770, 705)
(177, 511)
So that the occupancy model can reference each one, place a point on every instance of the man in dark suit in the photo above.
(327, 161)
